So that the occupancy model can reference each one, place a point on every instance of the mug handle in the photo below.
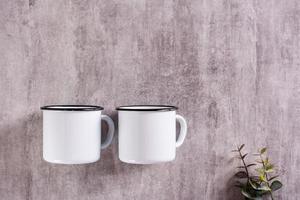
(183, 130)
(110, 133)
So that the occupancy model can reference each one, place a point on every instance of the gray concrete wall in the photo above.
(231, 66)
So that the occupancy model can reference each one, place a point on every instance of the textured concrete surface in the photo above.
(233, 68)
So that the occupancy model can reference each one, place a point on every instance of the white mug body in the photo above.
(147, 135)
(71, 136)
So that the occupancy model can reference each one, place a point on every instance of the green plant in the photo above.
(255, 185)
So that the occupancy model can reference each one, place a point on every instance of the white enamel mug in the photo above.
(147, 133)
(72, 133)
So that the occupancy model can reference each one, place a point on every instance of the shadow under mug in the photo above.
(72, 133)
(147, 133)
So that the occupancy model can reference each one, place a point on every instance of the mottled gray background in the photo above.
(232, 66)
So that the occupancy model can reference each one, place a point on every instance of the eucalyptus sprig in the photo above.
(258, 185)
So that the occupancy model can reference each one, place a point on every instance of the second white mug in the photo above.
(147, 133)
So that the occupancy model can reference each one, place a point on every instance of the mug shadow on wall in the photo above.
(231, 192)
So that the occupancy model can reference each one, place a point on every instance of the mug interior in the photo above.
(147, 108)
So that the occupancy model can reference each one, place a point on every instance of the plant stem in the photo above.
(245, 166)
(266, 175)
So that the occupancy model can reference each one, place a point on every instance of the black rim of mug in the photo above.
(149, 108)
(72, 107)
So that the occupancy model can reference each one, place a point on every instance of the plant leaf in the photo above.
(266, 162)
(241, 147)
(244, 156)
(276, 185)
(241, 174)
(242, 166)
(263, 150)
(273, 177)
(260, 187)
(253, 184)
(269, 168)
(260, 170)
(246, 194)
(258, 161)
(264, 188)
